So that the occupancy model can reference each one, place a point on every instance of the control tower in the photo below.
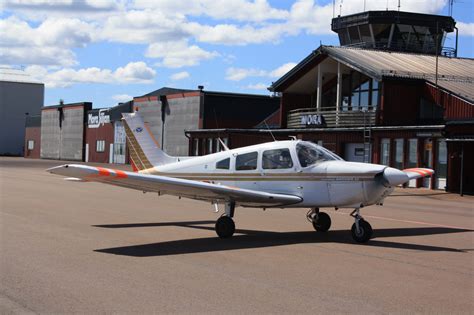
(396, 31)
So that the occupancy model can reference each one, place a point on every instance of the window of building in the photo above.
(276, 159)
(223, 164)
(385, 152)
(359, 92)
(100, 146)
(31, 144)
(209, 145)
(442, 165)
(196, 147)
(247, 161)
(398, 154)
(412, 153)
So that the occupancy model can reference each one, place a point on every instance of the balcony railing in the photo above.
(312, 118)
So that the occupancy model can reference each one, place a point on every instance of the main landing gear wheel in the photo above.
(225, 227)
(321, 221)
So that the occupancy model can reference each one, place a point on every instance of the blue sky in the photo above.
(106, 51)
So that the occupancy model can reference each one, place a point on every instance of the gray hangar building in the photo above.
(170, 112)
(20, 96)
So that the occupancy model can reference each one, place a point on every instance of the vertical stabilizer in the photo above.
(144, 150)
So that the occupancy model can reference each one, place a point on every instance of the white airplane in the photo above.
(280, 174)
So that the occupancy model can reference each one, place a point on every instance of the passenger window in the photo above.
(277, 159)
(223, 165)
(245, 162)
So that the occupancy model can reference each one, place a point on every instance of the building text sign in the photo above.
(94, 120)
(312, 120)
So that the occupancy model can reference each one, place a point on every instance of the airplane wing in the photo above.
(414, 173)
(174, 186)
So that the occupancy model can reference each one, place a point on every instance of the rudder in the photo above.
(144, 150)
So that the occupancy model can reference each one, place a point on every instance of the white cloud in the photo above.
(257, 86)
(178, 54)
(137, 72)
(465, 29)
(239, 10)
(39, 10)
(282, 70)
(145, 26)
(48, 44)
(122, 98)
(238, 74)
(134, 72)
(180, 76)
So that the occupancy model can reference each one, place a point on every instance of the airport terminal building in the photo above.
(391, 94)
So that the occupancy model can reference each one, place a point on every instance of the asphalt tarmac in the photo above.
(69, 247)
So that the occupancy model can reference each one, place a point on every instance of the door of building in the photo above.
(427, 160)
(119, 143)
(441, 164)
(354, 152)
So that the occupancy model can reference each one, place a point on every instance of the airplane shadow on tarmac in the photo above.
(244, 239)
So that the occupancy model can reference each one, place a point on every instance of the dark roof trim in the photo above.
(85, 104)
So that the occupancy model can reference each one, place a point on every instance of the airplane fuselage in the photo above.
(327, 183)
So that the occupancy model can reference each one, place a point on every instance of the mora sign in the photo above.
(94, 120)
(312, 120)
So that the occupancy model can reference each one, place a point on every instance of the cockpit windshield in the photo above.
(309, 154)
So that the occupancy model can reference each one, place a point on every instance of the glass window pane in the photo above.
(196, 147)
(398, 154)
(31, 144)
(375, 98)
(246, 161)
(412, 153)
(277, 159)
(223, 165)
(365, 33)
(375, 84)
(365, 85)
(209, 145)
(385, 152)
(355, 101)
(441, 169)
(364, 99)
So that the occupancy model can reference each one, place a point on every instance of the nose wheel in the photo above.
(361, 229)
(321, 220)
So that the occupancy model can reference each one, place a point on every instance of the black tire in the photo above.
(365, 232)
(225, 227)
(323, 223)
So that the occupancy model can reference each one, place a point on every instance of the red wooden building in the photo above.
(388, 105)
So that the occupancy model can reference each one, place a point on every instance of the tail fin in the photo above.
(144, 150)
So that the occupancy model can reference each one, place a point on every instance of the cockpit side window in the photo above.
(310, 154)
(223, 164)
(247, 161)
(277, 159)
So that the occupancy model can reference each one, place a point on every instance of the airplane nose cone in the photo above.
(394, 177)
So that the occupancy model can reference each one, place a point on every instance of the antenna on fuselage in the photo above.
(271, 133)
